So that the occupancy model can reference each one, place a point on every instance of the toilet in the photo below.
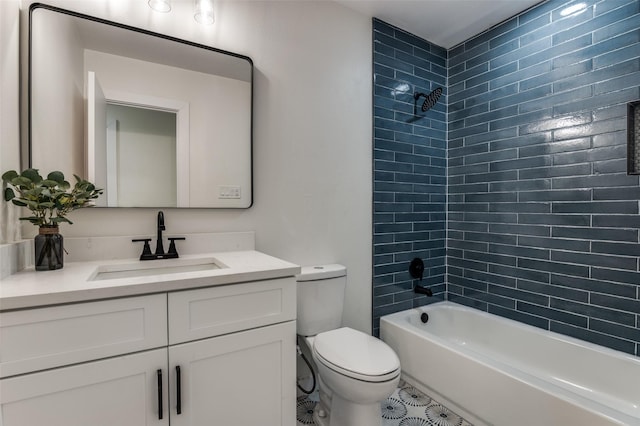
(356, 371)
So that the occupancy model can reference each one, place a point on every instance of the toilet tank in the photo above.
(320, 298)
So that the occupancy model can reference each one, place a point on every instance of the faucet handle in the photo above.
(172, 246)
(146, 250)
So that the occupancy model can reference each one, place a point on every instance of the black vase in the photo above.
(48, 249)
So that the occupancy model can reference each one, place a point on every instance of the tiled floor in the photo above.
(407, 406)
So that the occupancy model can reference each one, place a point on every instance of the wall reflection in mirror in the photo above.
(156, 121)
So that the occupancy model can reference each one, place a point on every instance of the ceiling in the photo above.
(445, 23)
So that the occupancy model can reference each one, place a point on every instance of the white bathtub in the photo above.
(500, 372)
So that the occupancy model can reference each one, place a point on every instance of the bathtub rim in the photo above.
(446, 304)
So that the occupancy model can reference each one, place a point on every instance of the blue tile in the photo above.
(624, 207)
(627, 277)
(609, 52)
(553, 314)
(534, 29)
(596, 181)
(468, 54)
(490, 298)
(618, 262)
(468, 73)
(596, 76)
(560, 49)
(393, 42)
(523, 52)
(521, 119)
(520, 316)
(501, 280)
(543, 231)
(466, 301)
(618, 303)
(491, 177)
(623, 82)
(408, 206)
(554, 243)
(622, 96)
(555, 219)
(468, 94)
(630, 24)
(494, 115)
(559, 295)
(616, 221)
(553, 100)
(593, 234)
(591, 311)
(492, 33)
(629, 333)
(597, 285)
(555, 267)
(526, 78)
(541, 221)
(605, 7)
(594, 337)
(563, 78)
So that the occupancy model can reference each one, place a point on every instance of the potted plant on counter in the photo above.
(49, 200)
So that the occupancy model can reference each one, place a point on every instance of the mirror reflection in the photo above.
(156, 121)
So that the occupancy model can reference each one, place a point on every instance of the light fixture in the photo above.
(204, 12)
(163, 6)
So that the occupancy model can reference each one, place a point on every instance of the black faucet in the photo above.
(161, 227)
(159, 254)
(416, 270)
(423, 290)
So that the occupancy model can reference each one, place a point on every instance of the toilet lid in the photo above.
(356, 352)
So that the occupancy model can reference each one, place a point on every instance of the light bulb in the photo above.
(204, 12)
(163, 6)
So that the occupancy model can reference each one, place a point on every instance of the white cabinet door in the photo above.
(119, 391)
(240, 379)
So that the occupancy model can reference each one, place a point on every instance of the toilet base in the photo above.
(336, 411)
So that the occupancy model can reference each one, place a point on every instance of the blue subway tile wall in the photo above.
(409, 166)
(543, 222)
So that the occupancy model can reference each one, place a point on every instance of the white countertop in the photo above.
(28, 288)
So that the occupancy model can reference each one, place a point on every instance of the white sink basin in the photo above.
(154, 267)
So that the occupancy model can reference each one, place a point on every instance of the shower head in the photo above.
(429, 99)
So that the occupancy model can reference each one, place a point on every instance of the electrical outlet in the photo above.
(228, 192)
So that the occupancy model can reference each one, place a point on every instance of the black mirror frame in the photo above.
(35, 6)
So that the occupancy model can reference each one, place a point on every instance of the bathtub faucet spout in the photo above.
(423, 290)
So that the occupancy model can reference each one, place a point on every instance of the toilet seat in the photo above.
(357, 355)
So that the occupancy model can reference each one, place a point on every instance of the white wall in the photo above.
(312, 145)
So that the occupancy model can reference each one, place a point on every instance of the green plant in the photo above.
(50, 199)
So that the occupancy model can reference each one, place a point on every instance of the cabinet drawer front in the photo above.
(37, 339)
(197, 314)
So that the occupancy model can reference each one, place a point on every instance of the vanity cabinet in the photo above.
(222, 355)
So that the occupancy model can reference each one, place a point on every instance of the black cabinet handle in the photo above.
(159, 374)
(178, 391)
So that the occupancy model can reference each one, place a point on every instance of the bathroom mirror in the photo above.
(154, 120)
